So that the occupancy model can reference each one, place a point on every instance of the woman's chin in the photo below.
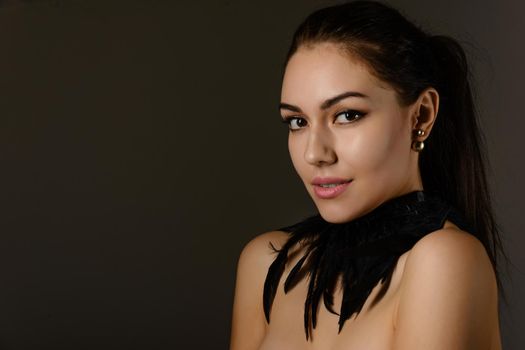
(336, 215)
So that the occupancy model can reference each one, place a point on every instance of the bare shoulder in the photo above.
(455, 243)
(449, 250)
(257, 252)
(448, 294)
(248, 323)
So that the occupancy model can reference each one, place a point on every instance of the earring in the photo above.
(418, 145)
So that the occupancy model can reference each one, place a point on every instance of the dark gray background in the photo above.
(141, 148)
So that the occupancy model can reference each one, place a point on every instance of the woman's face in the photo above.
(346, 124)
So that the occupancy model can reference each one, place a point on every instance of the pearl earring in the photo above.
(418, 145)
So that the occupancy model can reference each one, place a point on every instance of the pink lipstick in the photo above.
(329, 187)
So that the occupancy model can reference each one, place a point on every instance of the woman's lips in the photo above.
(330, 192)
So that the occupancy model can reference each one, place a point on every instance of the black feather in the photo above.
(361, 253)
(293, 275)
(272, 281)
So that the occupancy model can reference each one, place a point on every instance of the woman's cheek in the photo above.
(368, 151)
(388, 157)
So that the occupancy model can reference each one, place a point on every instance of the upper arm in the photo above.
(248, 321)
(448, 295)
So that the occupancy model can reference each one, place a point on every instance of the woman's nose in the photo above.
(319, 148)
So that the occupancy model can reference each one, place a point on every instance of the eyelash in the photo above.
(353, 112)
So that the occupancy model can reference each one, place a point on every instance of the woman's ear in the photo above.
(425, 110)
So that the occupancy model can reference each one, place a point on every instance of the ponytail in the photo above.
(454, 164)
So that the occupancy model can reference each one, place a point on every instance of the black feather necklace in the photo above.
(361, 252)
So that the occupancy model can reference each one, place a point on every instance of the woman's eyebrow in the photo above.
(326, 104)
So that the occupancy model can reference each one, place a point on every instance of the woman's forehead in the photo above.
(325, 70)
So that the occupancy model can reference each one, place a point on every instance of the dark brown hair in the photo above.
(400, 53)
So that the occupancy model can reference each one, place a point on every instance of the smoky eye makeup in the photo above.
(293, 122)
(350, 115)
(345, 116)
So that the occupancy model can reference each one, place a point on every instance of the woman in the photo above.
(384, 136)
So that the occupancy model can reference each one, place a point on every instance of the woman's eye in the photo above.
(345, 117)
(349, 115)
(294, 123)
